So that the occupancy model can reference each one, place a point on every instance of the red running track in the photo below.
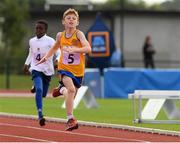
(28, 130)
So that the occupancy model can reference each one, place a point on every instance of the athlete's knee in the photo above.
(39, 90)
(71, 90)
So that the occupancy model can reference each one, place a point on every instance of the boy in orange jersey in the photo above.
(71, 66)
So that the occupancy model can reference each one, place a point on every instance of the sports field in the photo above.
(115, 111)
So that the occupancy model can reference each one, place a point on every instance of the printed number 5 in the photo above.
(70, 58)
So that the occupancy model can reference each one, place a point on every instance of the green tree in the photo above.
(173, 5)
(128, 5)
(15, 13)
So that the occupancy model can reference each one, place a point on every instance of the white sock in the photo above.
(70, 117)
(61, 90)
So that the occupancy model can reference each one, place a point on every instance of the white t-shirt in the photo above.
(38, 49)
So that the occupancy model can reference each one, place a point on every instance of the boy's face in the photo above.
(70, 21)
(40, 30)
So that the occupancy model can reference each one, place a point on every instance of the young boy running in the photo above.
(41, 74)
(71, 66)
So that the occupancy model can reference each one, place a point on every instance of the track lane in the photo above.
(54, 132)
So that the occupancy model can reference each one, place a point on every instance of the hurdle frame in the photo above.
(167, 99)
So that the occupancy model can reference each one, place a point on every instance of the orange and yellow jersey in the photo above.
(74, 63)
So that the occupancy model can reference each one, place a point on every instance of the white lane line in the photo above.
(95, 124)
(72, 133)
(23, 137)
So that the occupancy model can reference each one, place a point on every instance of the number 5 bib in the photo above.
(73, 59)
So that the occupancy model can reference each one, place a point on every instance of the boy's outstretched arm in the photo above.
(50, 53)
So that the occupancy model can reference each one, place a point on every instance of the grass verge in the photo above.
(114, 111)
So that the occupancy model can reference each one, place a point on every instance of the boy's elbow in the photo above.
(89, 49)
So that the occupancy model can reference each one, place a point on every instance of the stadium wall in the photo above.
(163, 27)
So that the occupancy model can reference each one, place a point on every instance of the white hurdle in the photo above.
(156, 100)
(87, 96)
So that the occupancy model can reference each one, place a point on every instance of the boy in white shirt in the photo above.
(41, 74)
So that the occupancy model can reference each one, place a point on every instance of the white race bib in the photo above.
(70, 59)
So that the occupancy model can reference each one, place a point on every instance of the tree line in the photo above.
(14, 15)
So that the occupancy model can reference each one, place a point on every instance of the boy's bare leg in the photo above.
(69, 101)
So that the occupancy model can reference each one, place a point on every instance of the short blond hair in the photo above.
(71, 11)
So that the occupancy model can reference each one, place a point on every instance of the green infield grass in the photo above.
(114, 111)
(22, 82)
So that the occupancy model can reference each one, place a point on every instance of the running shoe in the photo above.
(71, 124)
(33, 90)
(57, 91)
(42, 121)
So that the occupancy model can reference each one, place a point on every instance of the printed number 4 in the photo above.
(70, 58)
(38, 57)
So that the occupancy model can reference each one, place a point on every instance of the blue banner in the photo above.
(119, 82)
